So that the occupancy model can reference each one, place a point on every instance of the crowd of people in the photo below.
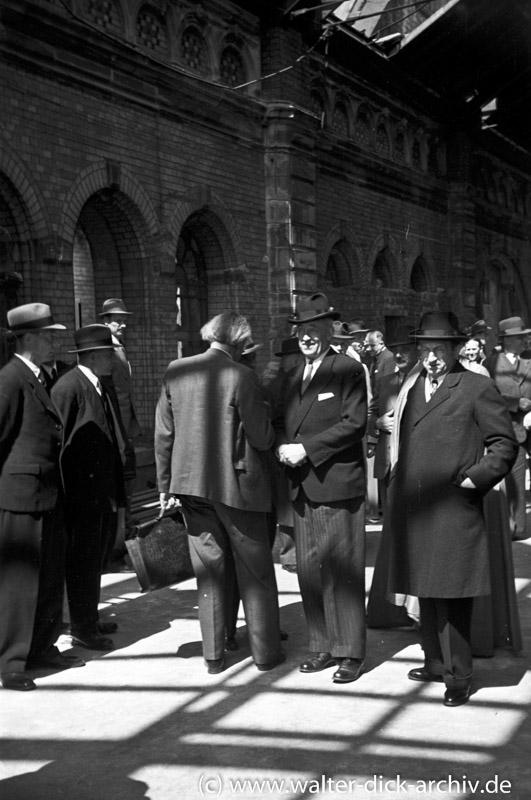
(430, 418)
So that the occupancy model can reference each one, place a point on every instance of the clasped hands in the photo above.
(293, 455)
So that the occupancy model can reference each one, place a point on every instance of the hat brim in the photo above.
(323, 315)
(454, 337)
(55, 327)
(95, 347)
(115, 311)
(515, 333)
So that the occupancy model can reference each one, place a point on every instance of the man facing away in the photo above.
(211, 427)
(454, 441)
(325, 414)
(92, 471)
(31, 523)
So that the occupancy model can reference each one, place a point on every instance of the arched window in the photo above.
(383, 268)
(105, 13)
(419, 276)
(362, 128)
(382, 141)
(231, 66)
(338, 267)
(194, 50)
(399, 147)
(151, 31)
(339, 122)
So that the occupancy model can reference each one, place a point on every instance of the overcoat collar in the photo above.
(518, 372)
(442, 395)
(97, 406)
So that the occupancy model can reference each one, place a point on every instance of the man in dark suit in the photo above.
(325, 414)
(380, 359)
(92, 472)
(115, 315)
(512, 375)
(454, 440)
(31, 525)
(211, 428)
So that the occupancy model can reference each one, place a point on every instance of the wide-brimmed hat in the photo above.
(439, 325)
(93, 337)
(404, 335)
(32, 317)
(114, 305)
(311, 308)
(289, 347)
(512, 326)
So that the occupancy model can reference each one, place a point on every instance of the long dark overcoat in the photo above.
(439, 543)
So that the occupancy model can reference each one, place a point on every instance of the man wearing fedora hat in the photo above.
(31, 525)
(92, 472)
(115, 315)
(512, 375)
(452, 441)
(325, 414)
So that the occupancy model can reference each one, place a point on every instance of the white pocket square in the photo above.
(325, 396)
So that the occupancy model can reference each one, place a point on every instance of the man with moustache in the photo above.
(325, 414)
(453, 441)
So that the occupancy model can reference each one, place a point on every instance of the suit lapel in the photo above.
(321, 378)
(37, 388)
(441, 396)
(96, 403)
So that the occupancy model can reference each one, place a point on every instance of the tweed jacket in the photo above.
(30, 442)
(329, 420)
(211, 426)
(91, 457)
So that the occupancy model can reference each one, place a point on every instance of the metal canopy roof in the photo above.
(474, 52)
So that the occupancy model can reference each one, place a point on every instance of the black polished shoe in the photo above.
(55, 661)
(290, 567)
(271, 664)
(231, 643)
(349, 670)
(91, 639)
(215, 665)
(424, 675)
(456, 697)
(315, 662)
(18, 681)
(107, 627)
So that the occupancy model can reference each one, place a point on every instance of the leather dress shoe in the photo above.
(423, 674)
(231, 643)
(55, 661)
(316, 662)
(18, 681)
(349, 670)
(107, 627)
(91, 639)
(271, 664)
(215, 665)
(289, 568)
(456, 697)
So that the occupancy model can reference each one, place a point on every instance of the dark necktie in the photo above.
(434, 387)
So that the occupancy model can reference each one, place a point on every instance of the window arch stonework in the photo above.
(151, 31)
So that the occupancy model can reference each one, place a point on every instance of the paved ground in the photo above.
(147, 721)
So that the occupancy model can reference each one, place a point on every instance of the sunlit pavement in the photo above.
(147, 721)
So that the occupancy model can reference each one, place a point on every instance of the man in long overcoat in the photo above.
(211, 428)
(455, 442)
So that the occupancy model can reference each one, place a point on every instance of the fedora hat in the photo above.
(439, 325)
(512, 326)
(92, 337)
(312, 308)
(32, 317)
(288, 347)
(114, 305)
(404, 335)
(479, 326)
